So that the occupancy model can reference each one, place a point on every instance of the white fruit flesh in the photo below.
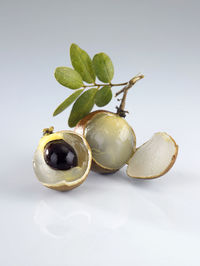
(111, 139)
(154, 158)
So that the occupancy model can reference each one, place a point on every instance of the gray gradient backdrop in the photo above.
(157, 38)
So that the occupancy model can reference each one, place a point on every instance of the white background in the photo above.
(109, 220)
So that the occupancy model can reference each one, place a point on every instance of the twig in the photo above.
(105, 84)
(130, 84)
(120, 110)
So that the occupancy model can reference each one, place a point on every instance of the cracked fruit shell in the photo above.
(62, 160)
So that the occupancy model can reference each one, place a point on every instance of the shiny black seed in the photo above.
(60, 155)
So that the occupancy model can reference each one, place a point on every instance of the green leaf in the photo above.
(82, 63)
(103, 96)
(103, 67)
(67, 102)
(82, 106)
(68, 77)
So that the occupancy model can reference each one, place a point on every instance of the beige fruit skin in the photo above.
(66, 186)
(81, 125)
(80, 128)
(166, 170)
(100, 169)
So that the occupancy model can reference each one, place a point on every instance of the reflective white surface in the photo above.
(109, 220)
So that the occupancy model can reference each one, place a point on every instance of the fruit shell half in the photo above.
(154, 158)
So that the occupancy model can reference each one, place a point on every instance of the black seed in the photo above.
(60, 155)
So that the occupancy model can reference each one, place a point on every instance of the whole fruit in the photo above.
(111, 139)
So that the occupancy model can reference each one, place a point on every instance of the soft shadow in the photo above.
(171, 178)
(122, 178)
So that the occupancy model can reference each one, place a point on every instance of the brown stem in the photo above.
(130, 84)
(120, 110)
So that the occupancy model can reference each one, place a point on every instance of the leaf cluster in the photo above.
(82, 78)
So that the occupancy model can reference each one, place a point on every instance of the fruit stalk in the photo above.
(48, 131)
(120, 110)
